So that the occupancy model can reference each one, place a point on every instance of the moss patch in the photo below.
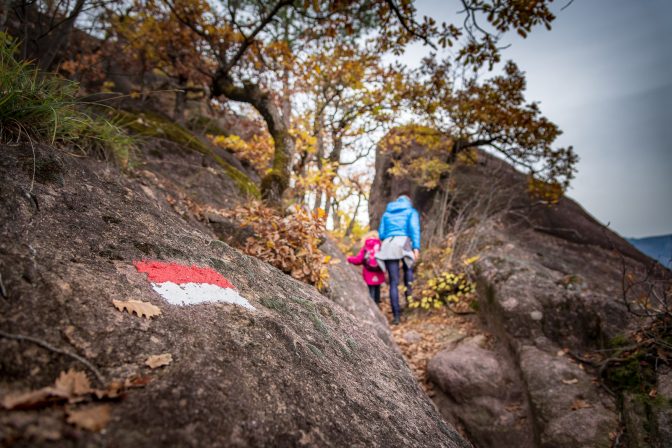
(316, 351)
(307, 304)
(206, 125)
(318, 324)
(618, 341)
(634, 375)
(275, 304)
(149, 124)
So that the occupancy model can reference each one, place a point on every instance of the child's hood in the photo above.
(370, 243)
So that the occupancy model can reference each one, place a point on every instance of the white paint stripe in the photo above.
(193, 293)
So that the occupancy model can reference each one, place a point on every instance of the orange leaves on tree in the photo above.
(548, 192)
(257, 151)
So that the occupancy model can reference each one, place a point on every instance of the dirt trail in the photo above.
(422, 334)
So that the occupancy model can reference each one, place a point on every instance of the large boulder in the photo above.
(478, 391)
(549, 281)
(296, 370)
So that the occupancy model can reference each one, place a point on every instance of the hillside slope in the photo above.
(298, 370)
(549, 286)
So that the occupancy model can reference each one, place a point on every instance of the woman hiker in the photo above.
(400, 231)
(373, 275)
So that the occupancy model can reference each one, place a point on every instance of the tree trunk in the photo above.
(56, 37)
(276, 181)
(351, 225)
(180, 100)
(334, 159)
(318, 127)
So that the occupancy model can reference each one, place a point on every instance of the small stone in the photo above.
(412, 337)
(536, 315)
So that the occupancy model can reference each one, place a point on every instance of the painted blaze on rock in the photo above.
(190, 285)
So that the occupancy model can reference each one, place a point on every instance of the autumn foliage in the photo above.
(288, 242)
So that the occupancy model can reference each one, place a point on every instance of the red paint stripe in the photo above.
(160, 272)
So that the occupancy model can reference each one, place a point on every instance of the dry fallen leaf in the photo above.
(142, 309)
(70, 385)
(27, 400)
(113, 390)
(580, 404)
(91, 418)
(572, 381)
(137, 381)
(156, 361)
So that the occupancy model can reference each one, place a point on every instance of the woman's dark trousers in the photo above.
(393, 276)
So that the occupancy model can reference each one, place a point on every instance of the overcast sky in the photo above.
(604, 75)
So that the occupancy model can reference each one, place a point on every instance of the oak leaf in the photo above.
(91, 418)
(27, 400)
(71, 385)
(142, 309)
(113, 390)
(156, 361)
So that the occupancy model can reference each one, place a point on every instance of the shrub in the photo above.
(36, 106)
(443, 282)
(288, 242)
(447, 288)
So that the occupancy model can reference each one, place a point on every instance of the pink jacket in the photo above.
(372, 274)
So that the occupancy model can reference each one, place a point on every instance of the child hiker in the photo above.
(371, 272)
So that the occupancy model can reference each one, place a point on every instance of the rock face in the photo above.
(298, 370)
(347, 289)
(548, 283)
(479, 385)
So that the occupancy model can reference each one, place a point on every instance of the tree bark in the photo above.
(61, 34)
(351, 225)
(318, 127)
(180, 100)
(276, 181)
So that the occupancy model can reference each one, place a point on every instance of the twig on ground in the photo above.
(43, 344)
(3, 290)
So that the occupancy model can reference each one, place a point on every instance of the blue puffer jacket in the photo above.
(401, 219)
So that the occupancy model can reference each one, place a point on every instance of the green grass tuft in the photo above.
(43, 107)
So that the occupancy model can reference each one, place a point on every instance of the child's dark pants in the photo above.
(393, 275)
(374, 293)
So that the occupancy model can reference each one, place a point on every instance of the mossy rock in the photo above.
(206, 125)
(150, 124)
